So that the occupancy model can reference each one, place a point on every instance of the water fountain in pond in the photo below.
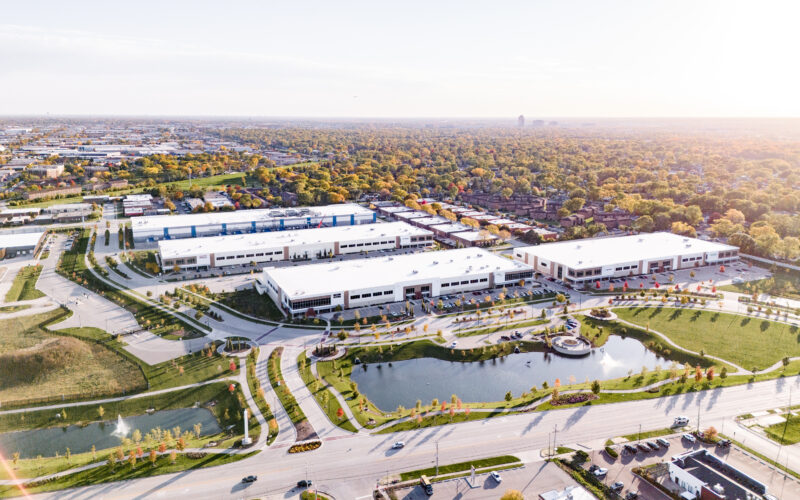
(122, 428)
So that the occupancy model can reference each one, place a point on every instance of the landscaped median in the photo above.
(259, 397)
(290, 405)
(24, 285)
(449, 471)
(325, 398)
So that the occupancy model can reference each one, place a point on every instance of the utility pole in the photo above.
(437, 458)
(555, 433)
(639, 437)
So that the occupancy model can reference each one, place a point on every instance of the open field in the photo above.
(250, 302)
(24, 286)
(785, 433)
(34, 361)
(11, 309)
(748, 342)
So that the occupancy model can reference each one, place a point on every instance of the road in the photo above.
(349, 466)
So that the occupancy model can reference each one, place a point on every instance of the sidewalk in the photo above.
(286, 430)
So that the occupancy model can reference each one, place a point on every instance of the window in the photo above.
(306, 303)
(473, 281)
(366, 295)
(250, 255)
(445, 285)
(260, 254)
(484, 280)
(337, 295)
(465, 282)
(354, 297)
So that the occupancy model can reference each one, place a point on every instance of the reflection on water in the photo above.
(46, 442)
(406, 381)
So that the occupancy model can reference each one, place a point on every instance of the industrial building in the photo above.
(320, 288)
(589, 260)
(701, 474)
(165, 227)
(16, 244)
(304, 244)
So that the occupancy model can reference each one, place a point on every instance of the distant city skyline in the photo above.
(412, 59)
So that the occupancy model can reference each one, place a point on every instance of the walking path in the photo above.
(286, 431)
(315, 415)
(347, 411)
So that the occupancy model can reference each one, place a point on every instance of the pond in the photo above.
(426, 378)
(46, 442)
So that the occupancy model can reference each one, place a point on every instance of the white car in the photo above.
(496, 476)
(453, 345)
(680, 421)
(689, 438)
(398, 445)
(600, 472)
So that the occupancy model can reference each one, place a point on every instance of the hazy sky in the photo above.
(405, 58)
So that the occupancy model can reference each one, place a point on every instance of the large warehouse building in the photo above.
(581, 261)
(165, 227)
(366, 282)
(15, 244)
(242, 249)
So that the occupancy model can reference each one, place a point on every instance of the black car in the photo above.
(724, 443)
(305, 483)
(249, 479)
(630, 449)
(643, 447)
(632, 495)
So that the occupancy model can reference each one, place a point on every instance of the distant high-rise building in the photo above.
(521, 121)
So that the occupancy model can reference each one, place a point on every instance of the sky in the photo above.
(560, 58)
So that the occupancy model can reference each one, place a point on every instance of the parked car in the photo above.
(305, 483)
(618, 486)
(453, 344)
(643, 447)
(630, 449)
(689, 438)
(600, 472)
(653, 445)
(398, 445)
(724, 443)
(505, 337)
(496, 476)
(249, 479)
(663, 442)
(632, 495)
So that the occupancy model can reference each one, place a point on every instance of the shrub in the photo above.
(611, 452)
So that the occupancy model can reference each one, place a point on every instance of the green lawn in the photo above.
(650, 434)
(288, 401)
(11, 309)
(258, 396)
(122, 472)
(748, 342)
(500, 327)
(461, 466)
(327, 401)
(24, 286)
(250, 302)
(785, 433)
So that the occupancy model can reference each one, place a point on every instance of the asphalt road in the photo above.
(348, 466)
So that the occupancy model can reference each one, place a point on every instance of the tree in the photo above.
(512, 495)
(173, 455)
(682, 228)
(509, 396)
(644, 224)
(339, 413)
(596, 387)
(153, 456)
(132, 459)
(100, 412)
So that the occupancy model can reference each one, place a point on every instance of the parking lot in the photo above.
(620, 469)
(531, 480)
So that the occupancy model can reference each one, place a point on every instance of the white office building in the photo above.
(165, 227)
(365, 282)
(303, 244)
(589, 260)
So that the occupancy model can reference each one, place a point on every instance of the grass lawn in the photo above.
(122, 472)
(748, 342)
(250, 302)
(500, 327)
(24, 286)
(461, 466)
(11, 309)
(785, 433)
(650, 434)
(37, 362)
(258, 395)
(327, 401)
(288, 401)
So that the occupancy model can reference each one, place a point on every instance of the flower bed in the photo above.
(300, 448)
(570, 399)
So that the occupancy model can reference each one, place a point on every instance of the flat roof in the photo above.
(450, 228)
(321, 279)
(12, 240)
(473, 236)
(598, 252)
(431, 220)
(395, 209)
(171, 249)
(157, 222)
(412, 215)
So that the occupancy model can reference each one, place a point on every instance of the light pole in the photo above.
(437, 458)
